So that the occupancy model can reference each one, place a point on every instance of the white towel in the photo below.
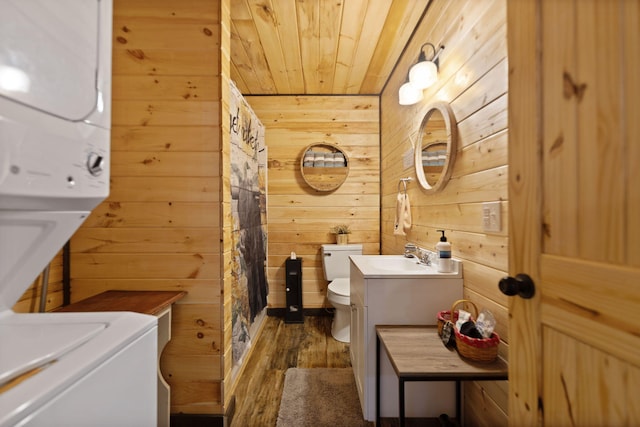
(403, 215)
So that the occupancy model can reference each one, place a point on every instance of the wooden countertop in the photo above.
(146, 302)
(418, 352)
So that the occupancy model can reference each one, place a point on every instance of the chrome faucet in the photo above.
(413, 251)
(425, 257)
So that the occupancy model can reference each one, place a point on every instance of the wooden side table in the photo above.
(417, 354)
(156, 303)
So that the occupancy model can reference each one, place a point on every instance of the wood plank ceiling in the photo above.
(297, 47)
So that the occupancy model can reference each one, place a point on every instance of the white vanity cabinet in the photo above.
(383, 295)
(357, 345)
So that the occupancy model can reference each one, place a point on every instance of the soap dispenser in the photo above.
(443, 248)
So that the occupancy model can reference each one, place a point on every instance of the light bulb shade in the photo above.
(409, 94)
(423, 74)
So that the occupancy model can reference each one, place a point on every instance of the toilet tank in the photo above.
(335, 259)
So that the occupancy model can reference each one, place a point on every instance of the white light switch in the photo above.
(491, 216)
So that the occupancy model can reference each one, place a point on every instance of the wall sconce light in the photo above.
(421, 75)
(409, 94)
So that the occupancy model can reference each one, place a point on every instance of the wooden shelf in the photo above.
(146, 302)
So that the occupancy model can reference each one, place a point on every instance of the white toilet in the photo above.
(336, 265)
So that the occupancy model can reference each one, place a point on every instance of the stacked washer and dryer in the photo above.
(61, 369)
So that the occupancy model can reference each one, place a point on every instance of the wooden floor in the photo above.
(279, 347)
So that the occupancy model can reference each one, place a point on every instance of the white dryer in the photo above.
(61, 369)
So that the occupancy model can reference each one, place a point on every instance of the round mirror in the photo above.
(324, 166)
(436, 148)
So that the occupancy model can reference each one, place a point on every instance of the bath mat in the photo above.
(319, 397)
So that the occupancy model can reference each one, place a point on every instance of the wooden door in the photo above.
(574, 195)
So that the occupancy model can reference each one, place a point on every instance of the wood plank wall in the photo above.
(473, 78)
(300, 218)
(160, 227)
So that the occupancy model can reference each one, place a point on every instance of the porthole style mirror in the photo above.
(436, 148)
(324, 166)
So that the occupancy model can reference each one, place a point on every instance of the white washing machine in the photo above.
(61, 369)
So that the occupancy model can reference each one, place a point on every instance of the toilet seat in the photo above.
(339, 291)
(340, 286)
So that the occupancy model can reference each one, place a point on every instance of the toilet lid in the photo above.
(340, 287)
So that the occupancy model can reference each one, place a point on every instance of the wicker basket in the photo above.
(477, 349)
(445, 315)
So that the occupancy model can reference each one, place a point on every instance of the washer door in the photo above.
(40, 41)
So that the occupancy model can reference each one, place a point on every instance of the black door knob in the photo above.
(521, 285)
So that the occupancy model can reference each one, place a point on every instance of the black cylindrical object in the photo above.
(293, 312)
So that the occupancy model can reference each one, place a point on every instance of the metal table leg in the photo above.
(458, 405)
(401, 400)
(377, 380)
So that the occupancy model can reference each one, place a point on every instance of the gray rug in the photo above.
(320, 397)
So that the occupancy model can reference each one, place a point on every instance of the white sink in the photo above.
(399, 266)
(398, 263)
